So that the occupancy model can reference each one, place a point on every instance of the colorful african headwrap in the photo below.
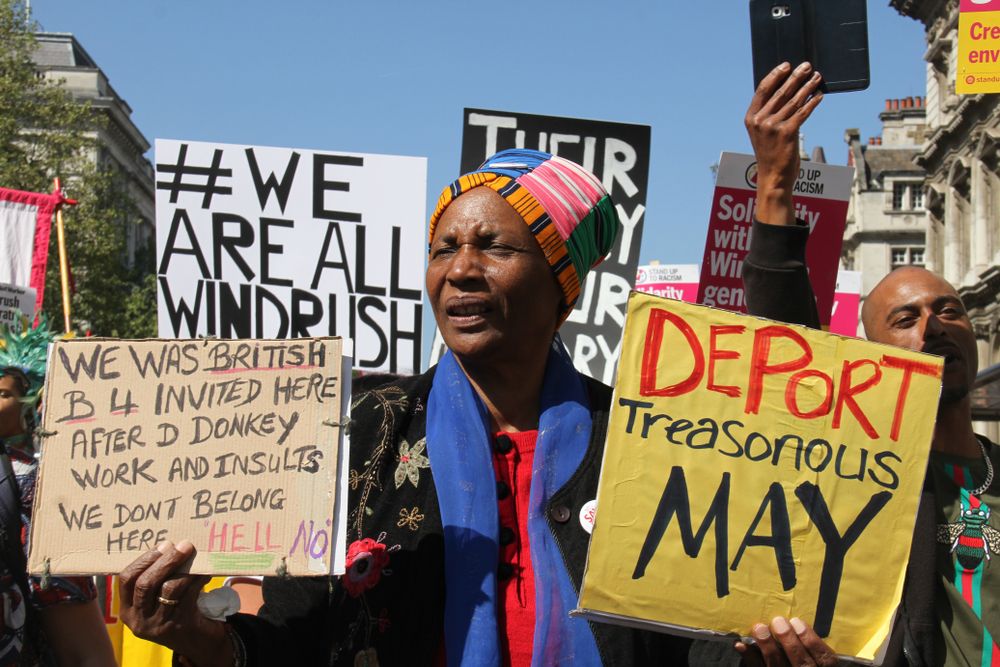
(565, 206)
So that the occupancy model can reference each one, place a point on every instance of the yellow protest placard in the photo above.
(234, 445)
(756, 469)
(978, 68)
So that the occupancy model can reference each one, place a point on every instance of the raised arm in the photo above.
(774, 272)
(777, 286)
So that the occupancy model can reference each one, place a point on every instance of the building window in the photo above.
(907, 196)
(907, 256)
(898, 196)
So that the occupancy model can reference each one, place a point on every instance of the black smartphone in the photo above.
(831, 34)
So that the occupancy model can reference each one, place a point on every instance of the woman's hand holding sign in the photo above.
(161, 605)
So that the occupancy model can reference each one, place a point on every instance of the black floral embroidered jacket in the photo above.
(388, 609)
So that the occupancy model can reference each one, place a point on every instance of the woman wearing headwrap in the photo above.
(466, 482)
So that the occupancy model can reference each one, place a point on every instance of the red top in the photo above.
(516, 590)
(515, 593)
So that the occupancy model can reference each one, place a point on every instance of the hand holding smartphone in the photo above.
(830, 34)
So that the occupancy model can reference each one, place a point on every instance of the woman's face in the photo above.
(491, 288)
(10, 407)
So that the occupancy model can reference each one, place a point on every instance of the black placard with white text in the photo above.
(618, 153)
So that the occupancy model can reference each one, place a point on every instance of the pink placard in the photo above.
(846, 304)
(980, 5)
(673, 281)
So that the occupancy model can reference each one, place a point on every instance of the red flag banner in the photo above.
(25, 223)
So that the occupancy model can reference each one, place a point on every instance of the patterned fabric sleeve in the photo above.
(60, 590)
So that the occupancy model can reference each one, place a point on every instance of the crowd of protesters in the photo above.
(504, 442)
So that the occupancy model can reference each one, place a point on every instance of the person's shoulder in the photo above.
(391, 382)
(992, 449)
(599, 393)
(363, 382)
(381, 392)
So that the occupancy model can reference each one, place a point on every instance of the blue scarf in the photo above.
(459, 447)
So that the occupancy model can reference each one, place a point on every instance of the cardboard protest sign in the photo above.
(16, 304)
(821, 195)
(256, 242)
(846, 304)
(978, 47)
(618, 154)
(673, 281)
(234, 445)
(755, 469)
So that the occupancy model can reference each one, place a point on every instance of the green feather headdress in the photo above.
(26, 349)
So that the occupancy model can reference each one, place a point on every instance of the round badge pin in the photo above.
(587, 513)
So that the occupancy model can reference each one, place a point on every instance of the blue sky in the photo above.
(392, 77)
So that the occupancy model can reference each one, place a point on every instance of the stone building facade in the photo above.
(961, 158)
(887, 217)
(119, 142)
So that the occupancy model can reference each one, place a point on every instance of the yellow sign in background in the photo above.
(756, 469)
(978, 47)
